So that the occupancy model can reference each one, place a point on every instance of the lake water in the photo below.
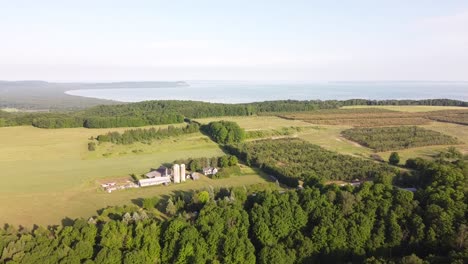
(244, 92)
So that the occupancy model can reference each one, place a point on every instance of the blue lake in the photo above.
(244, 92)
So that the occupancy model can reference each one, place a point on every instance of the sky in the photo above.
(294, 40)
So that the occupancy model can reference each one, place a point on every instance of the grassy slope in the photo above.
(49, 174)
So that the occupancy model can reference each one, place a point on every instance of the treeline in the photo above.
(54, 120)
(132, 121)
(372, 223)
(139, 135)
(292, 160)
(194, 109)
(224, 132)
(197, 164)
(394, 138)
(79, 119)
(169, 112)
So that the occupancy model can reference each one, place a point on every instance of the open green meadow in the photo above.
(48, 175)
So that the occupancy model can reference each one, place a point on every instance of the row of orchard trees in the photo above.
(292, 160)
(393, 138)
(372, 223)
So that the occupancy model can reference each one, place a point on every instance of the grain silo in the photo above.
(176, 173)
(182, 172)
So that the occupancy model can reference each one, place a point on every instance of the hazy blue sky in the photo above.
(233, 40)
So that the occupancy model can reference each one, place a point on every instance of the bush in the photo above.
(91, 146)
(394, 158)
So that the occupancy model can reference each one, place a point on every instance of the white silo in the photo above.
(176, 173)
(182, 172)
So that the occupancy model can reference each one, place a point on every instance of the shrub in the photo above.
(91, 146)
(394, 158)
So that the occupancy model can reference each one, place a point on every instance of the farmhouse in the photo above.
(210, 171)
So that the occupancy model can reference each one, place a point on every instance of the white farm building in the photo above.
(154, 181)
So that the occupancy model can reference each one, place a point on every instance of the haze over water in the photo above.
(245, 92)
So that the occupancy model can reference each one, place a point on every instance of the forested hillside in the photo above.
(372, 223)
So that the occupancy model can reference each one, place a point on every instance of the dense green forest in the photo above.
(170, 112)
(224, 132)
(394, 138)
(292, 159)
(371, 223)
(142, 135)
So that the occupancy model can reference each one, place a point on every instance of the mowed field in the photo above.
(47, 175)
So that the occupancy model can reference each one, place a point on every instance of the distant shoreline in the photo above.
(249, 92)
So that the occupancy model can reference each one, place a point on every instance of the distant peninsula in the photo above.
(42, 95)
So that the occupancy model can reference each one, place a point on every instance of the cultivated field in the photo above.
(258, 122)
(397, 138)
(49, 174)
(406, 108)
(372, 116)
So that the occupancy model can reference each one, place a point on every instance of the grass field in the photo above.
(49, 174)
(407, 108)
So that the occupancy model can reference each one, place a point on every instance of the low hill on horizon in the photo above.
(43, 95)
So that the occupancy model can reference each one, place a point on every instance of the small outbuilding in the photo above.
(195, 176)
